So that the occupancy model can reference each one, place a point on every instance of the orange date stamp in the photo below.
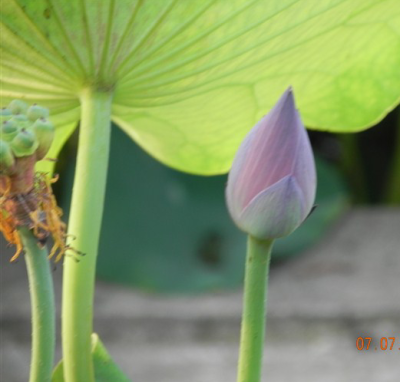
(382, 343)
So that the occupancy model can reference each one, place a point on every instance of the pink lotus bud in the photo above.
(272, 182)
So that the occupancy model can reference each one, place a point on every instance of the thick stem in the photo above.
(42, 305)
(254, 310)
(84, 224)
(393, 189)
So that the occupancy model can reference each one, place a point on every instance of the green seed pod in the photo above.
(5, 114)
(18, 107)
(25, 143)
(21, 121)
(6, 157)
(35, 112)
(44, 131)
(4, 118)
(9, 129)
(20, 117)
(4, 111)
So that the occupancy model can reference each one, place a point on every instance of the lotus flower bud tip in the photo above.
(272, 183)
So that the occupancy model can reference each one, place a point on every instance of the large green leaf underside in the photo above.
(105, 369)
(192, 77)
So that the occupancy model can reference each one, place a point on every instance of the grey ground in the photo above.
(319, 304)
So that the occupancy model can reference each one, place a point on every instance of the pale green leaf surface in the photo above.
(105, 369)
(192, 77)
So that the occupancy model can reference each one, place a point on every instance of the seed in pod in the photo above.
(9, 129)
(17, 107)
(25, 143)
(4, 111)
(6, 157)
(20, 117)
(21, 121)
(44, 131)
(35, 112)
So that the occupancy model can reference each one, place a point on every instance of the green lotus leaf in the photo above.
(190, 78)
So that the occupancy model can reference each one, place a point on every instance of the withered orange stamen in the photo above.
(37, 210)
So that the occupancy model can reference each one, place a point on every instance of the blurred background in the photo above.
(171, 263)
(169, 231)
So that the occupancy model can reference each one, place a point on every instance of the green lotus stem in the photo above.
(254, 310)
(84, 224)
(42, 306)
(393, 189)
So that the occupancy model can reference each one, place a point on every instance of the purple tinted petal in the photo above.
(236, 187)
(275, 212)
(304, 170)
(267, 154)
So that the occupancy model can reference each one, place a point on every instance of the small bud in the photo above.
(35, 112)
(25, 143)
(21, 121)
(9, 129)
(272, 183)
(4, 118)
(4, 111)
(17, 107)
(6, 157)
(20, 118)
(44, 131)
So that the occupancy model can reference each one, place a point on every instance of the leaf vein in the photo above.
(158, 21)
(234, 56)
